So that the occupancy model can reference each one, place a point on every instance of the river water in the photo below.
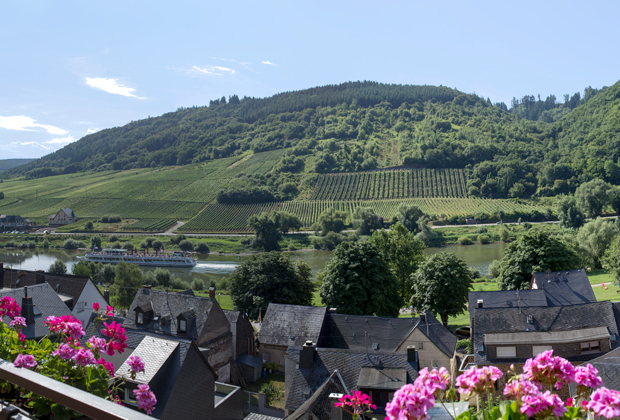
(215, 267)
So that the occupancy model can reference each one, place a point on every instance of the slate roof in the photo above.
(319, 404)
(69, 212)
(246, 359)
(608, 366)
(508, 299)
(155, 352)
(349, 363)
(45, 300)
(565, 287)
(551, 318)
(232, 316)
(256, 416)
(291, 325)
(65, 284)
(349, 332)
(195, 310)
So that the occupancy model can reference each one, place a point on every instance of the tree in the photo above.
(127, 281)
(408, 216)
(613, 194)
(330, 221)
(535, 251)
(105, 275)
(568, 212)
(611, 261)
(88, 225)
(286, 222)
(1, 195)
(365, 220)
(163, 277)
(441, 285)
(270, 278)
(81, 269)
(595, 237)
(266, 230)
(57, 267)
(95, 242)
(358, 281)
(404, 253)
(186, 245)
(426, 234)
(592, 196)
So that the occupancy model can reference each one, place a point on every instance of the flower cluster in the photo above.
(135, 364)
(145, 398)
(109, 310)
(549, 369)
(435, 380)
(587, 376)
(356, 403)
(67, 326)
(9, 307)
(478, 380)
(413, 401)
(546, 403)
(25, 360)
(117, 338)
(605, 403)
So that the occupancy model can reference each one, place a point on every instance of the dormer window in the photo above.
(182, 325)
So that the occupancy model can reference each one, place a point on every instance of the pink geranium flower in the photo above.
(135, 364)
(146, 399)
(546, 403)
(25, 360)
(478, 380)
(356, 403)
(435, 380)
(546, 368)
(84, 357)
(410, 403)
(605, 403)
(117, 338)
(18, 321)
(64, 351)
(96, 306)
(9, 307)
(587, 376)
(107, 365)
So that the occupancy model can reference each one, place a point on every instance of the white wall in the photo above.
(84, 306)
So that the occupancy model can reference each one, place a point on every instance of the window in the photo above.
(140, 320)
(591, 346)
(505, 352)
(420, 346)
(182, 325)
(536, 350)
(436, 364)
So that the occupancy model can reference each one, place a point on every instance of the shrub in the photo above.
(71, 244)
(292, 247)
(9, 244)
(484, 239)
(149, 241)
(128, 246)
(177, 239)
(464, 240)
(186, 245)
(111, 218)
(46, 244)
(223, 284)
(464, 342)
(202, 247)
(494, 269)
(32, 244)
(57, 267)
(197, 284)
(88, 225)
(22, 245)
(113, 238)
(115, 245)
(177, 283)
(143, 245)
(271, 391)
(481, 229)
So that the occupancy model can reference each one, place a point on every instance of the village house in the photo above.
(194, 318)
(77, 292)
(63, 217)
(242, 333)
(37, 303)
(579, 333)
(10, 223)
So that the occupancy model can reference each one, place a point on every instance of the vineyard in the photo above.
(411, 183)
(233, 218)
(150, 225)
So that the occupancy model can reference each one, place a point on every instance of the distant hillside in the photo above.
(6, 164)
(361, 126)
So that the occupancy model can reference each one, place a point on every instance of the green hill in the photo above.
(6, 164)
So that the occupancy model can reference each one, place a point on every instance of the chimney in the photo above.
(27, 308)
(1, 275)
(412, 356)
(423, 318)
(336, 411)
(306, 357)
(147, 286)
(480, 303)
(40, 277)
(106, 295)
(212, 292)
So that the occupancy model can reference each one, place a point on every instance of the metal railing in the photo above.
(81, 401)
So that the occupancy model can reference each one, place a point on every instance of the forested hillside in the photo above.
(536, 147)
(6, 164)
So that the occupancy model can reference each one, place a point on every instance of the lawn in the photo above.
(600, 276)
(277, 380)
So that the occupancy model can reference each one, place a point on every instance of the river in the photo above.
(215, 267)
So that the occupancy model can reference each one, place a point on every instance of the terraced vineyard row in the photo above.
(233, 218)
(150, 225)
(410, 183)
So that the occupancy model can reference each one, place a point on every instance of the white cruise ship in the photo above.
(114, 256)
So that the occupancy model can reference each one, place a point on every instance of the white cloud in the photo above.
(23, 123)
(63, 140)
(241, 63)
(91, 131)
(269, 63)
(29, 143)
(111, 86)
(214, 70)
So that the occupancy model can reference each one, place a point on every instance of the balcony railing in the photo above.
(81, 401)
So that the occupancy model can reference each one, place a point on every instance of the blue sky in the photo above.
(69, 68)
